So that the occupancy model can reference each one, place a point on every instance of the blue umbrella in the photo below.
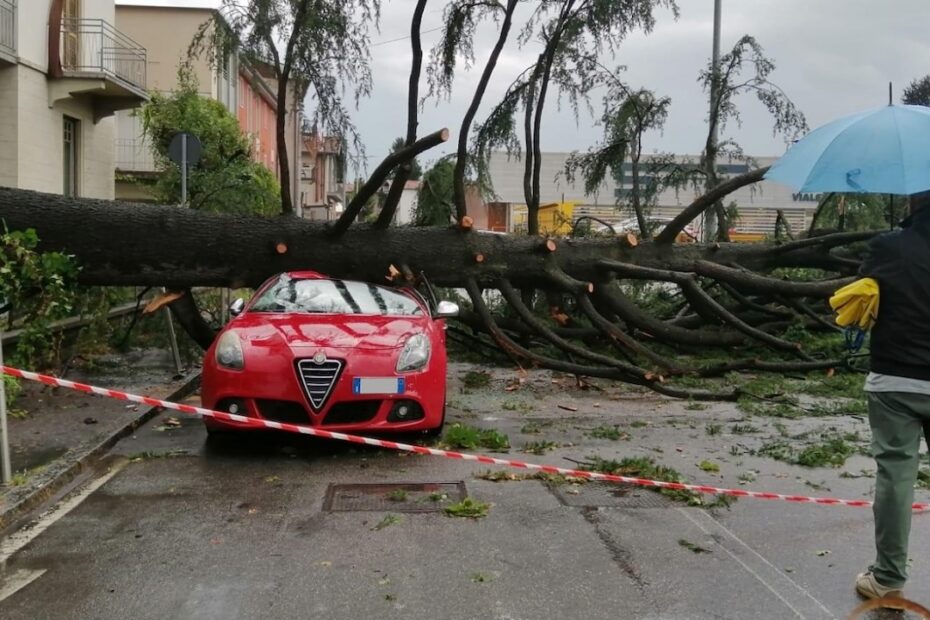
(881, 151)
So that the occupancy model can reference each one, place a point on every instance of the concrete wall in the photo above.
(407, 205)
(9, 125)
(40, 156)
(32, 31)
(166, 34)
(32, 26)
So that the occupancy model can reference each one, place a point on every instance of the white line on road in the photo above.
(16, 581)
(789, 589)
(19, 539)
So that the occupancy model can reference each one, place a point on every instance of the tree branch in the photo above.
(461, 162)
(380, 174)
(403, 174)
(670, 232)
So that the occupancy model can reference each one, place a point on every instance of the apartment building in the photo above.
(65, 70)
(322, 193)
(244, 88)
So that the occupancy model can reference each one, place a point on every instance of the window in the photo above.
(70, 14)
(334, 297)
(70, 156)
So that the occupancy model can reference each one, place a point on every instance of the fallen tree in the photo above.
(569, 304)
(730, 298)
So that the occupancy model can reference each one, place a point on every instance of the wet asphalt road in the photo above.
(238, 529)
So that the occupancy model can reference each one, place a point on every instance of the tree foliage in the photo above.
(434, 200)
(917, 92)
(628, 115)
(40, 288)
(226, 180)
(320, 47)
(730, 83)
(572, 35)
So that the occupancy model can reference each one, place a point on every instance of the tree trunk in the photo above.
(127, 244)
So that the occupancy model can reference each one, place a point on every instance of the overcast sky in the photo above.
(833, 57)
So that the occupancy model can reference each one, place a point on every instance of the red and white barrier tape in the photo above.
(393, 445)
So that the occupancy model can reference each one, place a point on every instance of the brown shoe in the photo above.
(867, 586)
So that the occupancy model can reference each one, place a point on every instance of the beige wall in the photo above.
(32, 26)
(32, 31)
(9, 125)
(33, 159)
(166, 34)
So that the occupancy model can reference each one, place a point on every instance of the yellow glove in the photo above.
(856, 304)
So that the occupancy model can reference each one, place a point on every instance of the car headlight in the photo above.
(228, 351)
(415, 353)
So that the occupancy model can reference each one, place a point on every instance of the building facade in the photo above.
(65, 70)
(244, 88)
(756, 205)
(322, 192)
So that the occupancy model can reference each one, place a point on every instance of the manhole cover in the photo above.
(393, 497)
(609, 495)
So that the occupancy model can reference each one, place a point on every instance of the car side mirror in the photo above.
(447, 309)
(237, 306)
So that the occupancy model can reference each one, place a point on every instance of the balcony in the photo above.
(7, 31)
(134, 155)
(100, 62)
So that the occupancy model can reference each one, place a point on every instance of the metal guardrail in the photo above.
(8, 27)
(95, 46)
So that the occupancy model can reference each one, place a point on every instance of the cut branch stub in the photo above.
(280, 247)
(467, 223)
(628, 240)
(549, 245)
(162, 300)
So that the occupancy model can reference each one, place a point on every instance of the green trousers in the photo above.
(898, 422)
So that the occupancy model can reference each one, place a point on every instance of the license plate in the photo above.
(378, 385)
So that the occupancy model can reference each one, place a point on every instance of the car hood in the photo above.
(300, 332)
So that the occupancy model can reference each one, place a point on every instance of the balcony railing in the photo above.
(94, 46)
(8, 27)
(134, 155)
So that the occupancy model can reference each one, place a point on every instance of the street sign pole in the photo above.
(185, 150)
(4, 434)
(184, 169)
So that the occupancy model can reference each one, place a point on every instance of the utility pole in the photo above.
(710, 215)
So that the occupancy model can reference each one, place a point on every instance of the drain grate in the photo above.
(609, 495)
(393, 496)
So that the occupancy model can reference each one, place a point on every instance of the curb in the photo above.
(64, 480)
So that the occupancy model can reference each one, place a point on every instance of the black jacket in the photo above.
(900, 262)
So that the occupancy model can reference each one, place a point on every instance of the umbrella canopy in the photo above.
(882, 151)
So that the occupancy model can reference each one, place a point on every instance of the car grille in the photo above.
(318, 379)
(352, 412)
(283, 411)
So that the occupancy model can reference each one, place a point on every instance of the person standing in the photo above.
(898, 389)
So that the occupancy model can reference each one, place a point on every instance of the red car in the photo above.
(343, 355)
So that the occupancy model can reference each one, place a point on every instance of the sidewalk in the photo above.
(57, 434)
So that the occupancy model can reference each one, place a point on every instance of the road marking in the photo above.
(19, 539)
(788, 591)
(16, 581)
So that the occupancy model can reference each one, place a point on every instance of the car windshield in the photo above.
(333, 297)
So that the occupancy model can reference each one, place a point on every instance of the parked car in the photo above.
(343, 355)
